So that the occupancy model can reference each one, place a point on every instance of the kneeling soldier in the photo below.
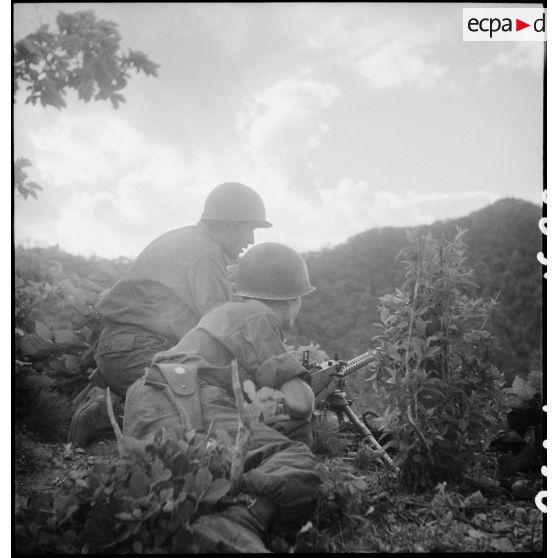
(172, 283)
(190, 385)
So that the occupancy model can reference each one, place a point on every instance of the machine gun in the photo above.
(327, 380)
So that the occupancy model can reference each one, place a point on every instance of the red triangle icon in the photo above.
(519, 25)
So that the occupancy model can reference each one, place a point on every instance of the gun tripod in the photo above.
(328, 383)
(338, 403)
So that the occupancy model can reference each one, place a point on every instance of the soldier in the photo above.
(521, 444)
(164, 293)
(190, 386)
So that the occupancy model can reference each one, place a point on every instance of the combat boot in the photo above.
(237, 529)
(91, 417)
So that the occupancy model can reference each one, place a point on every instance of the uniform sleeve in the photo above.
(259, 347)
(208, 284)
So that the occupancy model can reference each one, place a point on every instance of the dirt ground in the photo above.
(497, 518)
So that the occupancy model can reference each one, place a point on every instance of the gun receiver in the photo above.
(322, 374)
(327, 380)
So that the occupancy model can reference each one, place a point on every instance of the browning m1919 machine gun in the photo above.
(327, 380)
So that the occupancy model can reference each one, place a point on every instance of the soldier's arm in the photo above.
(260, 349)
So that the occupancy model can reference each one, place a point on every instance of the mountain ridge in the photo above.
(503, 240)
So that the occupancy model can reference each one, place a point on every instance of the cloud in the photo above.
(107, 188)
(388, 55)
(87, 148)
(356, 206)
(515, 56)
(397, 64)
(283, 124)
(353, 206)
(289, 107)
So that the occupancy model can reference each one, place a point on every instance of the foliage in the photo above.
(83, 54)
(503, 240)
(328, 441)
(441, 391)
(23, 187)
(44, 411)
(262, 403)
(385, 518)
(56, 328)
(341, 501)
(144, 501)
(524, 389)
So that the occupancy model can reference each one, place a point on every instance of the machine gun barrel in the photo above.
(358, 362)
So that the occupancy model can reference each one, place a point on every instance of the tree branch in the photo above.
(243, 434)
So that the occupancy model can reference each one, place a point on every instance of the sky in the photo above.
(342, 116)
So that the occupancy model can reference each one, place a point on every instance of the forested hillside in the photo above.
(503, 241)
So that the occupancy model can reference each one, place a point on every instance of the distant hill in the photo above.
(503, 241)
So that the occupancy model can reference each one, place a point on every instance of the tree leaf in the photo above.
(250, 389)
(139, 483)
(67, 339)
(203, 480)
(502, 545)
(72, 363)
(43, 331)
(215, 491)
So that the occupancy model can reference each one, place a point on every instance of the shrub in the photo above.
(144, 501)
(328, 441)
(441, 392)
(47, 413)
(56, 327)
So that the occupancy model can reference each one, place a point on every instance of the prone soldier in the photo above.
(190, 385)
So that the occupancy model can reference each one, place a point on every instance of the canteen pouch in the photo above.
(181, 385)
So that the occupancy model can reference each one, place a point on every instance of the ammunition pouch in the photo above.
(181, 385)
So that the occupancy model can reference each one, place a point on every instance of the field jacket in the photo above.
(248, 331)
(171, 284)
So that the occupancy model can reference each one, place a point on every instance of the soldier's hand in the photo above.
(298, 398)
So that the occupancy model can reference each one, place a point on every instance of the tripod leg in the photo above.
(365, 431)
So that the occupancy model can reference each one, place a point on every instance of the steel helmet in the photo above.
(232, 201)
(274, 272)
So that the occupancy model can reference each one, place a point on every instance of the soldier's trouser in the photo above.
(281, 470)
(123, 352)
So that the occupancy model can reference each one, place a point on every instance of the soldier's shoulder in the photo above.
(191, 242)
(236, 314)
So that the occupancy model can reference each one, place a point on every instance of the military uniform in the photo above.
(164, 293)
(172, 283)
(278, 468)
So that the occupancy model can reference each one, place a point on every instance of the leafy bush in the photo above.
(341, 503)
(56, 328)
(328, 440)
(144, 501)
(350, 278)
(442, 394)
(54, 312)
(47, 413)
